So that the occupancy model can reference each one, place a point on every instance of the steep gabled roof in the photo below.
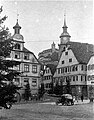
(27, 51)
(82, 51)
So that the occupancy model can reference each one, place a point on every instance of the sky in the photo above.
(42, 21)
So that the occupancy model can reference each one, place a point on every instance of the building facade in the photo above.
(47, 79)
(72, 65)
(29, 67)
(90, 77)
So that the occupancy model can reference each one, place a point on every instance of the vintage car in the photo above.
(65, 99)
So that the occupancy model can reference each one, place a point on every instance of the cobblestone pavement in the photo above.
(39, 111)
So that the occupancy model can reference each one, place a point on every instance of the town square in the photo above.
(46, 60)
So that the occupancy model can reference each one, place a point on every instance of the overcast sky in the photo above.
(42, 21)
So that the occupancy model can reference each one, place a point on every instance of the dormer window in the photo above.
(17, 46)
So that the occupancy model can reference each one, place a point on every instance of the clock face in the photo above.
(64, 38)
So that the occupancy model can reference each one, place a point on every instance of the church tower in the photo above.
(64, 37)
(17, 37)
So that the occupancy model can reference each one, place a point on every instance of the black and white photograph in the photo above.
(46, 60)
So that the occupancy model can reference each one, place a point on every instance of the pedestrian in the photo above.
(82, 98)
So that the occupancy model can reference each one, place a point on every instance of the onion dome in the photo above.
(17, 35)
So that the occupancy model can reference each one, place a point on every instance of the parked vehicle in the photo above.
(65, 99)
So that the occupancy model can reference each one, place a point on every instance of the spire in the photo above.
(65, 26)
(65, 33)
(17, 28)
(65, 19)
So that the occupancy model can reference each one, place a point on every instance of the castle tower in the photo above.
(53, 47)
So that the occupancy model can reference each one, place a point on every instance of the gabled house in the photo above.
(48, 76)
(90, 76)
(29, 67)
(47, 79)
(72, 65)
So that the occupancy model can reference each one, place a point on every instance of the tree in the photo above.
(7, 74)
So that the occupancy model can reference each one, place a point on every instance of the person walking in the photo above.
(82, 98)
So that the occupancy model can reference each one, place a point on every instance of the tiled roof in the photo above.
(82, 51)
(26, 50)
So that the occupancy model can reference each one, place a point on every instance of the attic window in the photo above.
(70, 60)
(66, 53)
(26, 56)
(63, 62)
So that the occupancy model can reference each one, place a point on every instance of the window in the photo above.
(63, 62)
(73, 78)
(85, 77)
(17, 46)
(76, 78)
(62, 70)
(17, 55)
(66, 69)
(58, 70)
(91, 67)
(81, 78)
(70, 60)
(26, 68)
(34, 82)
(76, 68)
(18, 67)
(73, 68)
(66, 53)
(26, 80)
(26, 56)
(34, 68)
(82, 67)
